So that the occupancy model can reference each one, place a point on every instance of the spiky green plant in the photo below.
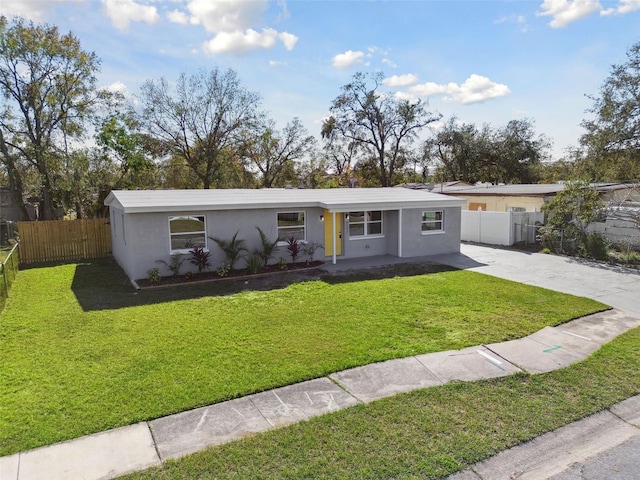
(268, 247)
(231, 248)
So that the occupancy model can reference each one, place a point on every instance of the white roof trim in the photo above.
(334, 200)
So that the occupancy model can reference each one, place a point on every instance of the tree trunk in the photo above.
(16, 188)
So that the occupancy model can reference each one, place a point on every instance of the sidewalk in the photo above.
(116, 452)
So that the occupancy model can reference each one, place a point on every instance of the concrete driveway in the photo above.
(615, 286)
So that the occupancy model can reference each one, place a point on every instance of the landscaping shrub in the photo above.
(268, 247)
(231, 248)
(294, 248)
(174, 263)
(596, 247)
(153, 275)
(200, 258)
(254, 263)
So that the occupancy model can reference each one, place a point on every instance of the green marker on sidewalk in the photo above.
(557, 347)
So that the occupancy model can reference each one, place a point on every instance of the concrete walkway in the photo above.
(116, 452)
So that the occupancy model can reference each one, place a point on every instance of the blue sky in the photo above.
(482, 61)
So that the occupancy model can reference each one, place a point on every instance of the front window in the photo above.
(292, 224)
(187, 232)
(365, 224)
(432, 221)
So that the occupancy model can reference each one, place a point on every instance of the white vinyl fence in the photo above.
(500, 228)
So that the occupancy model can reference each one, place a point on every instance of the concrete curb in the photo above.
(556, 451)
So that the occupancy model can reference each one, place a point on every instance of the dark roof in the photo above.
(519, 190)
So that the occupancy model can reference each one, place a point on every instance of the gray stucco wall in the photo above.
(416, 244)
(148, 239)
(139, 240)
(119, 248)
(372, 246)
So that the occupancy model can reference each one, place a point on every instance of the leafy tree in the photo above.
(612, 137)
(316, 173)
(274, 153)
(518, 152)
(49, 86)
(202, 119)
(569, 214)
(379, 123)
(511, 154)
(458, 152)
(128, 150)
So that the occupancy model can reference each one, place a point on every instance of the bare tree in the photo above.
(274, 152)
(378, 122)
(203, 119)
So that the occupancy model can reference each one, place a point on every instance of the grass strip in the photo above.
(424, 434)
(82, 353)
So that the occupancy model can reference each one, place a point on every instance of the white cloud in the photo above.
(123, 12)
(376, 50)
(233, 24)
(238, 42)
(564, 12)
(624, 6)
(389, 63)
(429, 88)
(347, 59)
(284, 14)
(288, 39)
(176, 16)
(519, 20)
(406, 96)
(277, 63)
(475, 89)
(122, 89)
(35, 11)
(118, 87)
(227, 15)
(400, 80)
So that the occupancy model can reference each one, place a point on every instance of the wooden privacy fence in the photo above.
(64, 240)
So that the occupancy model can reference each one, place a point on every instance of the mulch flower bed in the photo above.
(212, 276)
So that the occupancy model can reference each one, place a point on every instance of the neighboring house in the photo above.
(621, 225)
(510, 213)
(503, 198)
(522, 197)
(151, 225)
(8, 209)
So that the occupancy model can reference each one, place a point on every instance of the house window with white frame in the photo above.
(365, 224)
(186, 232)
(292, 224)
(432, 221)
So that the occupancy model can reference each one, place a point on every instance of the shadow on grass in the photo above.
(390, 271)
(102, 285)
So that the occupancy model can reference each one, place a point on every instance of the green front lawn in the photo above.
(81, 352)
(425, 434)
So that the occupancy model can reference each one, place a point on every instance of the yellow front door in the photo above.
(328, 233)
